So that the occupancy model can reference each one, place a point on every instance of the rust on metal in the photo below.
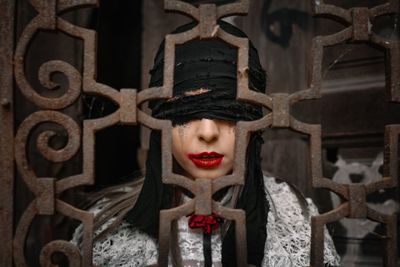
(45, 198)
(182, 7)
(22, 139)
(358, 22)
(128, 106)
(203, 196)
(87, 219)
(66, 248)
(45, 72)
(357, 201)
(47, 189)
(208, 21)
(361, 24)
(6, 131)
(281, 110)
(390, 169)
(240, 7)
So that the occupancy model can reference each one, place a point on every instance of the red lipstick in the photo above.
(206, 159)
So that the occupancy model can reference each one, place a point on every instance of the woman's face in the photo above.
(204, 148)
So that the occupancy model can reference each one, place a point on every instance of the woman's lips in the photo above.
(206, 159)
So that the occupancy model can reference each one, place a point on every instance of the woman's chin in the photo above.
(208, 174)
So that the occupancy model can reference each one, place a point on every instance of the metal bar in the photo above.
(6, 130)
(358, 31)
(207, 18)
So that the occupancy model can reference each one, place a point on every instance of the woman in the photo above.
(203, 111)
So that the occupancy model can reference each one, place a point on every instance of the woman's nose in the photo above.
(208, 130)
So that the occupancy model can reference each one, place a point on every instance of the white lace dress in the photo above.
(287, 245)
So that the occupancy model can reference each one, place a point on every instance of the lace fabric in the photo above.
(288, 240)
(289, 229)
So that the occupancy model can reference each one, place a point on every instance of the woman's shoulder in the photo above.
(289, 227)
(285, 198)
(125, 246)
(282, 192)
(116, 242)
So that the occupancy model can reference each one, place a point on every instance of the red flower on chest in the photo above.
(207, 223)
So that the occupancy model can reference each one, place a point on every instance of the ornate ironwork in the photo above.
(48, 189)
(358, 22)
(7, 131)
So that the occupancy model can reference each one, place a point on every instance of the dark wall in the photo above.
(118, 24)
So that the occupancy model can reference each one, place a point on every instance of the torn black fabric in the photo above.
(215, 104)
(210, 65)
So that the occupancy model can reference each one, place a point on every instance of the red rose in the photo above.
(208, 223)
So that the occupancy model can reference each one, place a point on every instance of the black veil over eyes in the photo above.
(211, 65)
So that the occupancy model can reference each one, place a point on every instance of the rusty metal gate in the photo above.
(81, 135)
